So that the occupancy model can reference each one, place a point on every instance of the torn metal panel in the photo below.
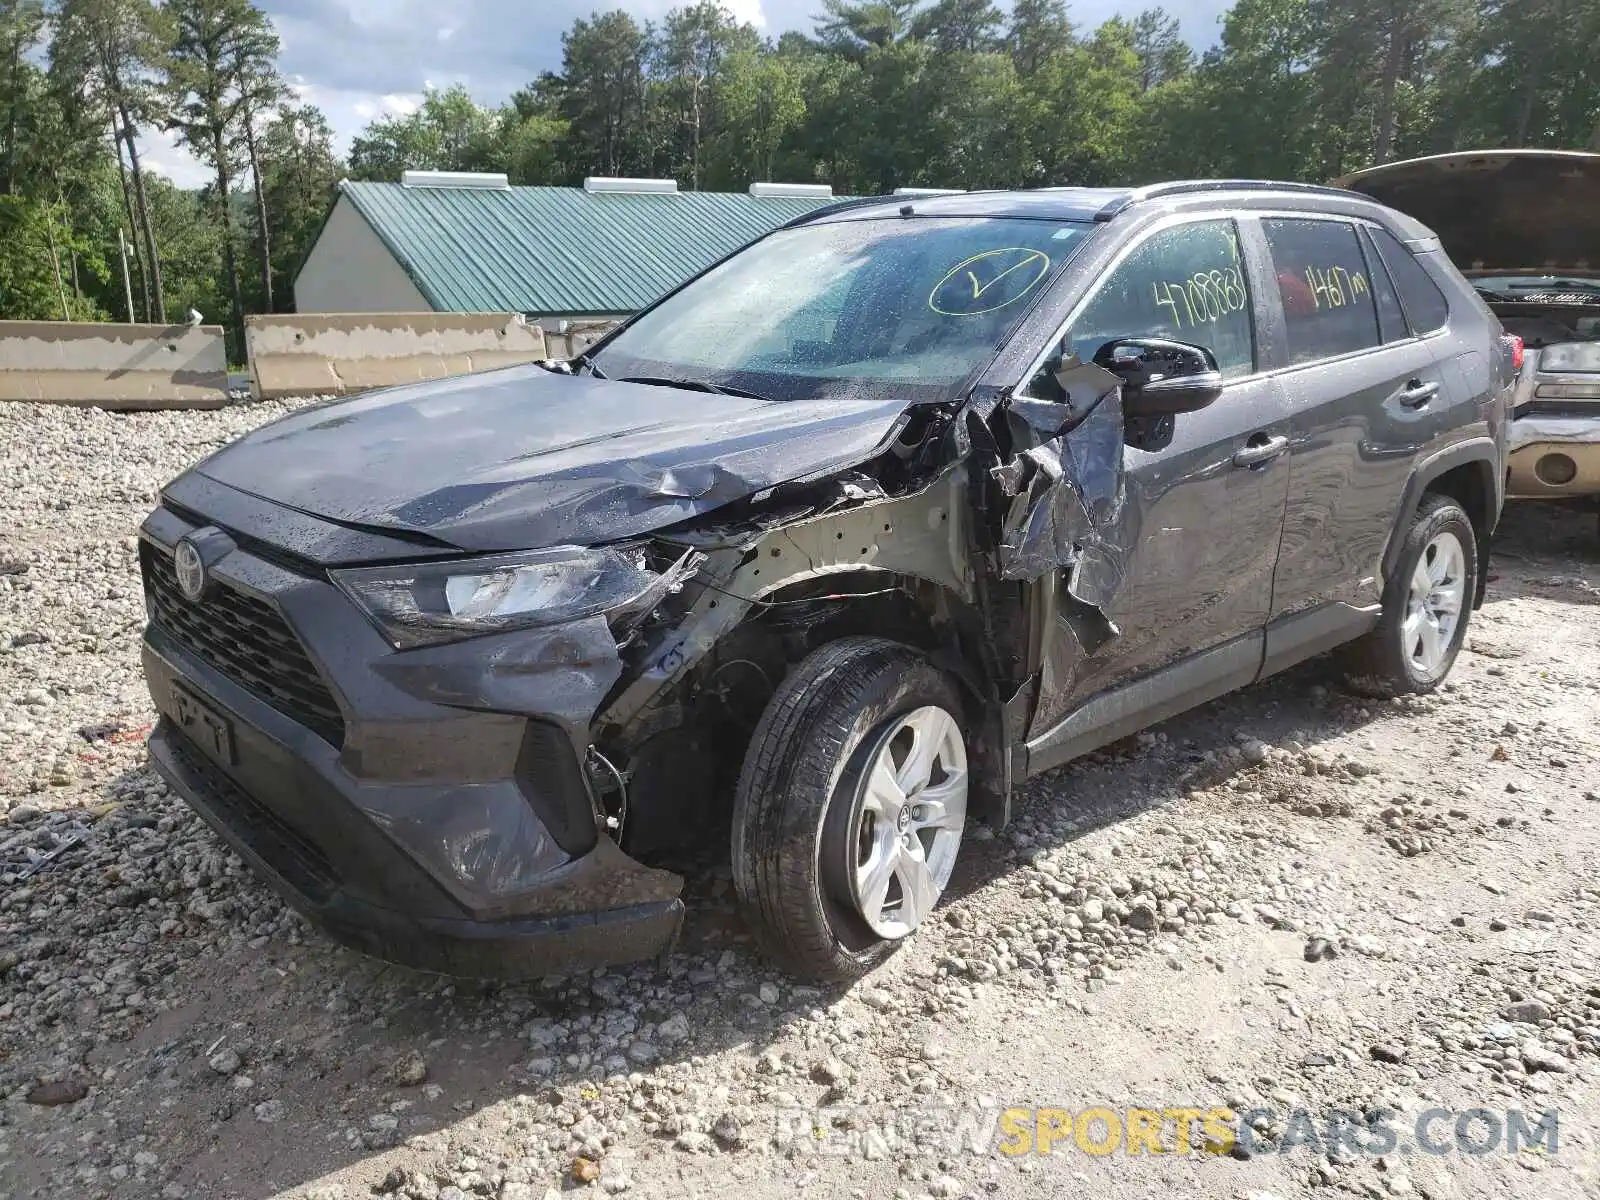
(923, 535)
(1068, 508)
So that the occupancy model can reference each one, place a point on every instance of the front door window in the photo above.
(1186, 283)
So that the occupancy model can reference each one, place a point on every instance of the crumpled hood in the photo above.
(522, 458)
(1512, 211)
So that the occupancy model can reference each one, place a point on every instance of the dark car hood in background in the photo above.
(522, 458)
(1513, 211)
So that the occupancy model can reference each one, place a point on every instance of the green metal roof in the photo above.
(559, 251)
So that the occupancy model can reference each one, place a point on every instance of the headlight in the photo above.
(421, 604)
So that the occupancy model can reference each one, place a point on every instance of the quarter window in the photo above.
(1185, 283)
(1322, 280)
(1425, 305)
(1391, 320)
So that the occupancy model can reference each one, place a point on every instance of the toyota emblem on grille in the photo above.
(191, 570)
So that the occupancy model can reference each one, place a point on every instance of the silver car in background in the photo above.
(1524, 227)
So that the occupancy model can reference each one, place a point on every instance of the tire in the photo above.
(809, 834)
(1393, 660)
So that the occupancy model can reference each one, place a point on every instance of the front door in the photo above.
(1207, 497)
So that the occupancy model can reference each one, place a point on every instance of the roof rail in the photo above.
(1182, 187)
(838, 206)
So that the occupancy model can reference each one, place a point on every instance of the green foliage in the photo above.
(880, 94)
(448, 132)
(37, 249)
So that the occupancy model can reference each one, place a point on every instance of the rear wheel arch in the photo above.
(1467, 474)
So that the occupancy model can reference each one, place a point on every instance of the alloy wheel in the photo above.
(907, 821)
(1435, 603)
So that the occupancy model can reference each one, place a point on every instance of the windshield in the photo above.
(906, 306)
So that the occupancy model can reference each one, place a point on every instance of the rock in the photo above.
(830, 1070)
(613, 1183)
(225, 1061)
(693, 1141)
(21, 814)
(268, 1112)
(55, 1092)
(1093, 911)
(584, 1170)
(944, 1186)
(643, 1053)
(768, 993)
(1540, 916)
(1142, 915)
(728, 1131)
(1536, 1057)
(1397, 1185)
(1368, 945)
(1529, 1012)
(1318, 949)
(674, 1029)
(1387, 1052)
(409, 1070)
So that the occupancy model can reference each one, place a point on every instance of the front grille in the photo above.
(245, 639)
(301, 863)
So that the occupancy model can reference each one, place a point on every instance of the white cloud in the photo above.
(159, 152)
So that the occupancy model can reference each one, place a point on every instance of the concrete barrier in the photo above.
(315, 354)
(113, 366)
(568, 339)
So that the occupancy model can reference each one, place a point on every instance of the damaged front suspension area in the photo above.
(773, 585)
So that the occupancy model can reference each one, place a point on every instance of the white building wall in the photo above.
(351, 270)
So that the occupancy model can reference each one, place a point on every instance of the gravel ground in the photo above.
(1293, 899)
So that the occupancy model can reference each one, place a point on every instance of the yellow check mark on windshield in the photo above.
(978, 289)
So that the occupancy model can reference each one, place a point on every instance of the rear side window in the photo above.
(1391, 319)
(1425, 305)
(1322, 280)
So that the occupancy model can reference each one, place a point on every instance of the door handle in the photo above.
(1257, 452)
(1416, 393)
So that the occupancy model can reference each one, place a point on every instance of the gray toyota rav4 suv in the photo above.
(832, 546)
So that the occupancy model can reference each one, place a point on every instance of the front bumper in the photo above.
(441, 820)
(511, 948)
(1554, 457)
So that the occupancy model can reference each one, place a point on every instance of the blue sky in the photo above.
(362, 59)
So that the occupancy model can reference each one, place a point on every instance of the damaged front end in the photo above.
(935, 543)
(548, 738)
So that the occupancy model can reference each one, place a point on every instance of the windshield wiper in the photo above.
(1557, 285)
(587, 360)
(694, 385)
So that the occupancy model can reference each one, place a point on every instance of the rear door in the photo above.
(1208, 491)
(1365, 396)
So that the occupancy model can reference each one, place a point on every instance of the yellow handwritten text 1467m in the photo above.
(1334, 287)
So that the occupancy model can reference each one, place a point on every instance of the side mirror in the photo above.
(1161, 378)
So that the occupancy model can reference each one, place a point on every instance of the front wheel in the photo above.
(850, 808)
(1426, 605)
